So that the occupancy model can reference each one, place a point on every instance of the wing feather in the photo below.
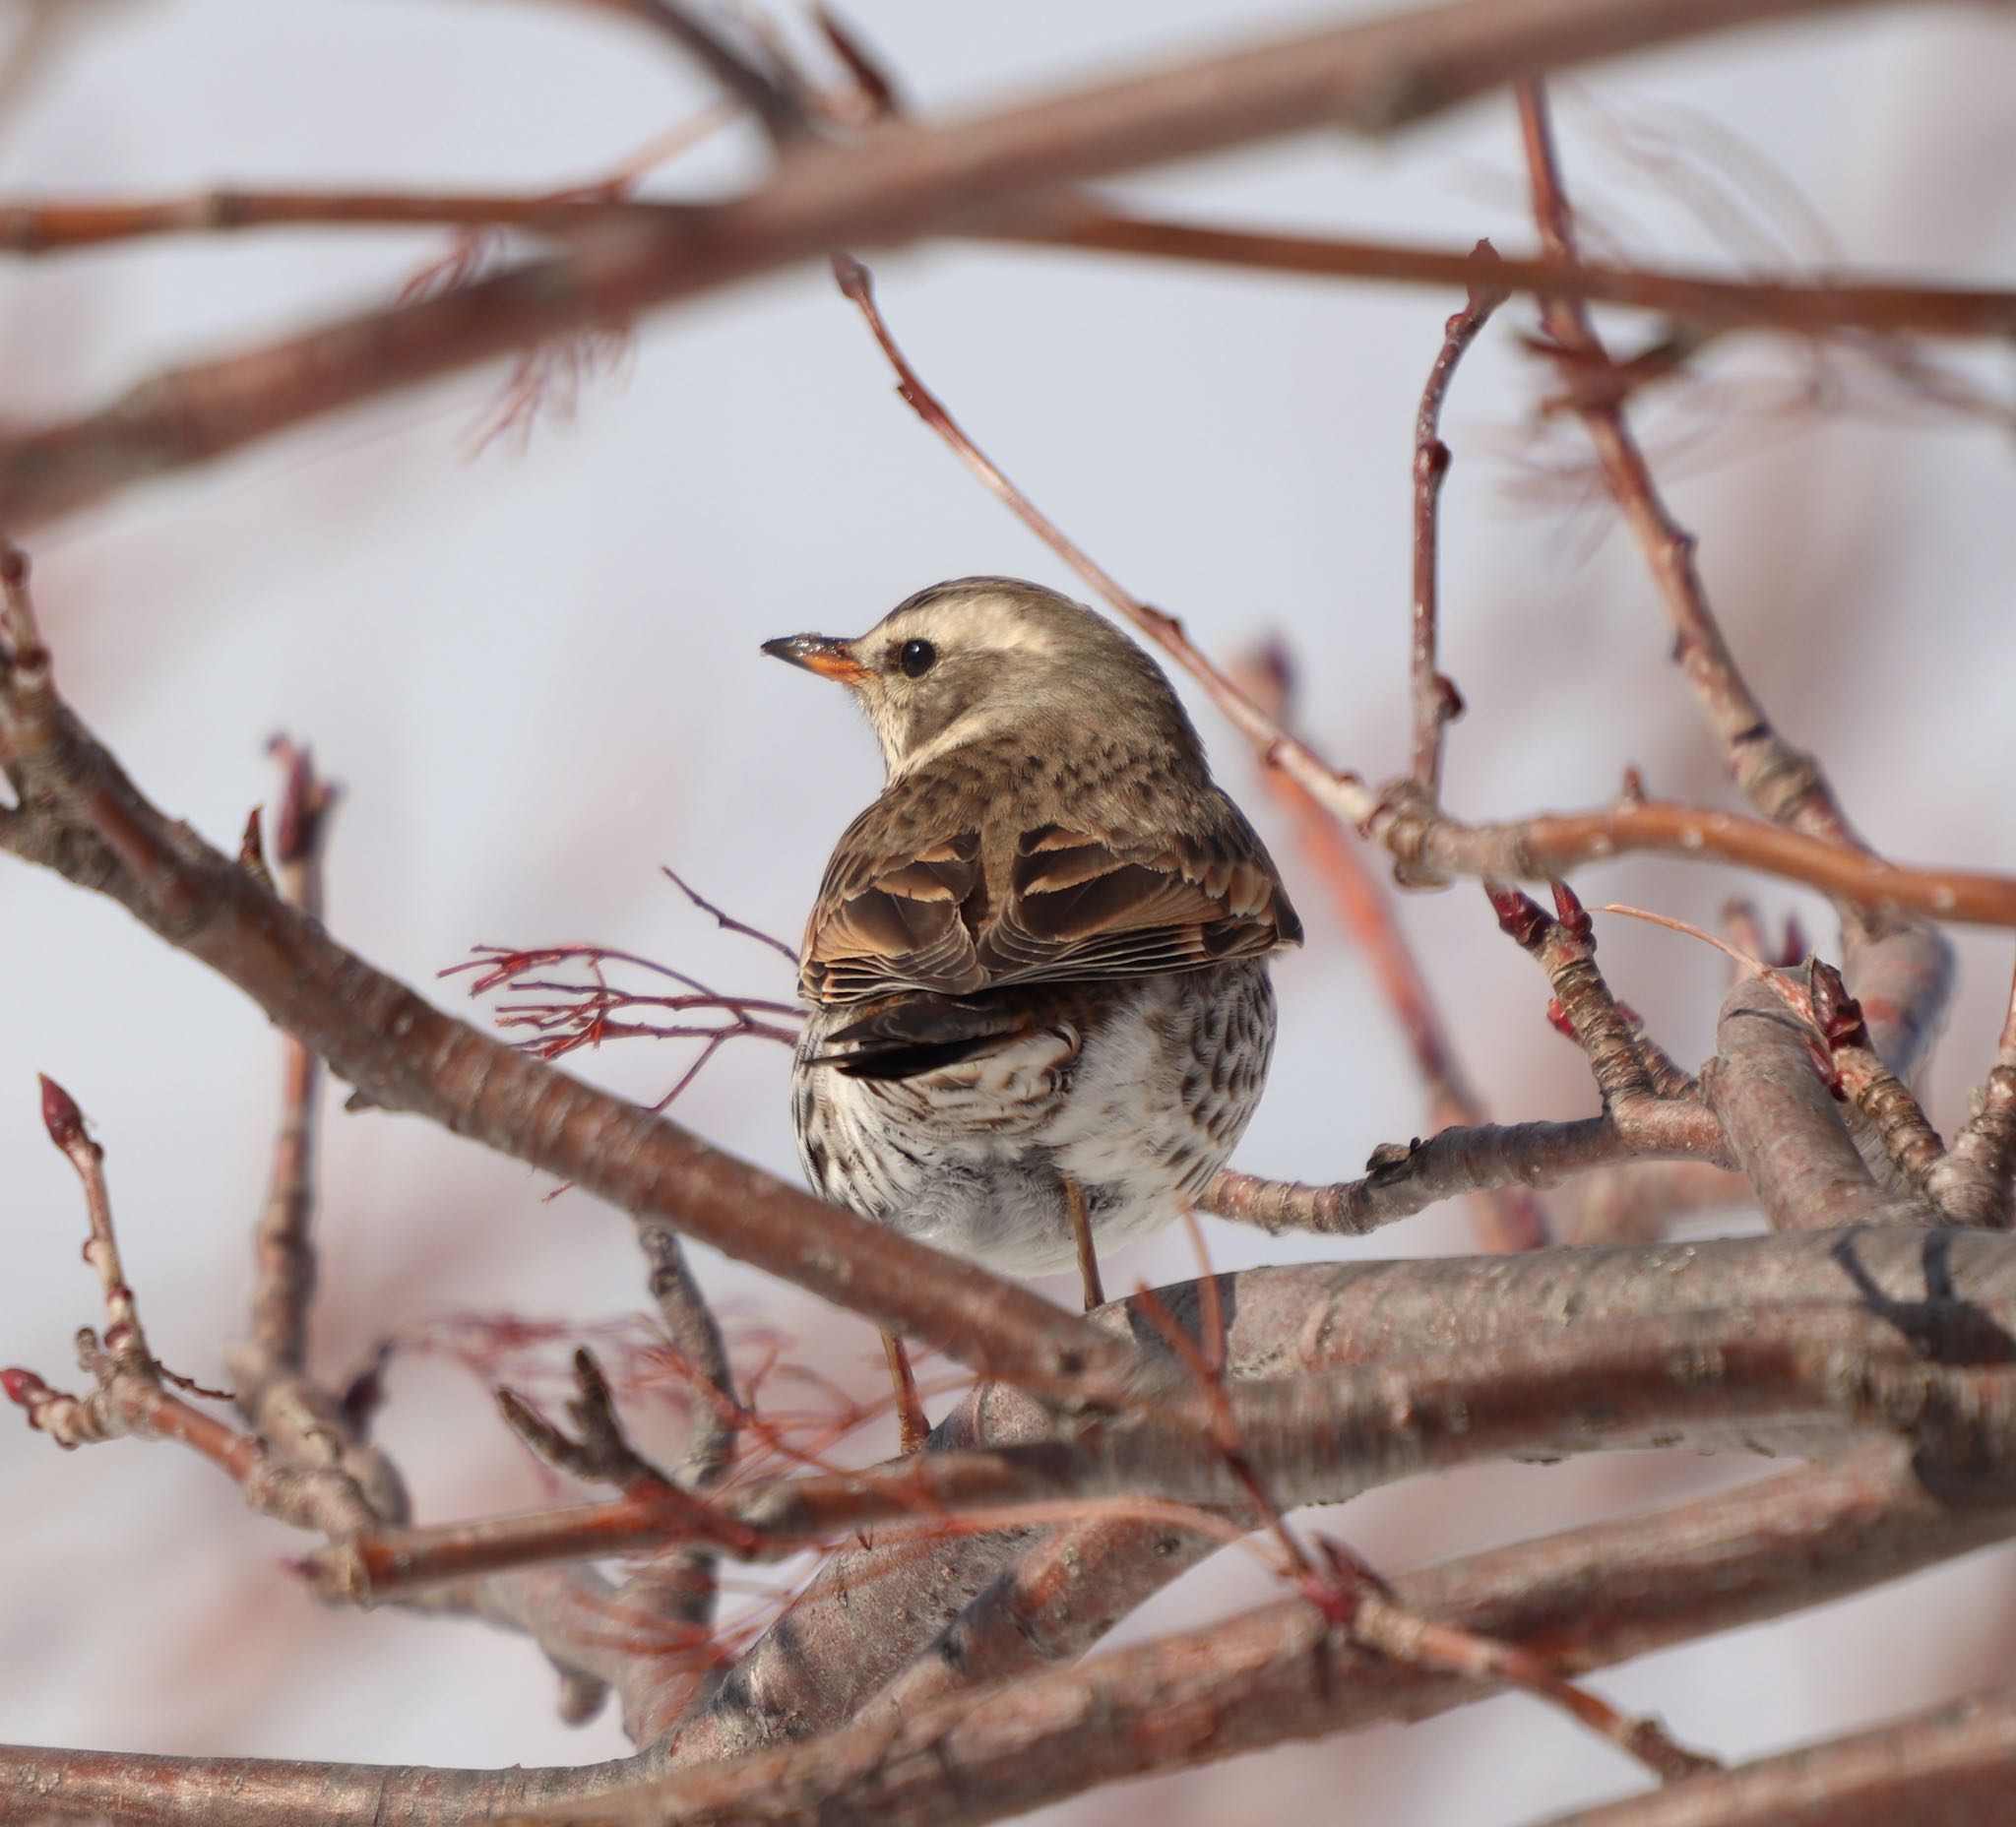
(983, 908)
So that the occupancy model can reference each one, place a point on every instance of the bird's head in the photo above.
(964, 660)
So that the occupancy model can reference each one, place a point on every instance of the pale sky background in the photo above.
(535, 675)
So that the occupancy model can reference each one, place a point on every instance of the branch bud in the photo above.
(1837, 1014)
(1574, 917)
(1520, 917)
(61, 1117)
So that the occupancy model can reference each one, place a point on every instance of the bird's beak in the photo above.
(824, 653)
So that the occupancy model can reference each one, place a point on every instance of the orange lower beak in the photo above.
(823, 654)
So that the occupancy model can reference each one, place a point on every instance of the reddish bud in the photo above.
(1823, 1064)
(303, 802)
(1267, 674)
(21, 1386)
(60, 1114)
(1449, 700)
(251, 852)
(1520, 917)
(1431, 460)
(871, 75)
(852, 279)
(1389, 1157)
(1573, 914)
(1837, 1014)
(13, 565)
(1795, 947)
(365, 1394)
(1634, 785)
(1557, 1019)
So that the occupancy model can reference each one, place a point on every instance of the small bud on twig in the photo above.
(1573, 915)
(1837, 1014)
(62, 1118)
(1520, 917)
(252, 851)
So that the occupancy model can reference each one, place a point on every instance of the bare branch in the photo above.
(1707, 302)
(1698, 1379)
(753, 79)
(1975, 1183)
(1786, 785)
(1405, 1180)
(1509, 1213)
(1436, 700)
(893, 186)
(1284, 1672)
(1782, 1121)
(1950, 1766)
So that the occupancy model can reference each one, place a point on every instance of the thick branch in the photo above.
(1700, 1380)
(1784, 1126)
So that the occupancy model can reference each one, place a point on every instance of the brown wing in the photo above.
(1085, 907)
(886, 921)
(972, 912)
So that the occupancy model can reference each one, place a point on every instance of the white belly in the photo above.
(1141, 1108)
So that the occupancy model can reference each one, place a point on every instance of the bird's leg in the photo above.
(1081, 1234)
(912, 1423)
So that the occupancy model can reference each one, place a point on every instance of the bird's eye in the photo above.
(917, 658)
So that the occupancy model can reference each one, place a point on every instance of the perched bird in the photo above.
(1036, 969)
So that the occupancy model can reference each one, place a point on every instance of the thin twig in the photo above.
(1509, 1215)
(1786, 786)
(1436, 700)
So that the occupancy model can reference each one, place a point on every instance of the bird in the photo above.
(1039, 1008)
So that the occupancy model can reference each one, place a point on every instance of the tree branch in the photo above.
(1702, 1380)
(1668, 1577)
(82, 816)
(1951, 1766)
(895, 185)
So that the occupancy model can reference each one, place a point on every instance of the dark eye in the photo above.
(917, 658)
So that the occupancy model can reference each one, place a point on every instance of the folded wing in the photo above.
(963, 913)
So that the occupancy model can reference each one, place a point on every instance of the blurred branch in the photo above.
(1284, 1672)
(1670, 1577)
(1950, 1765)
(130, 1397)
(895, 184)
(1082, 223)
(752, 78)
(1702, 301)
